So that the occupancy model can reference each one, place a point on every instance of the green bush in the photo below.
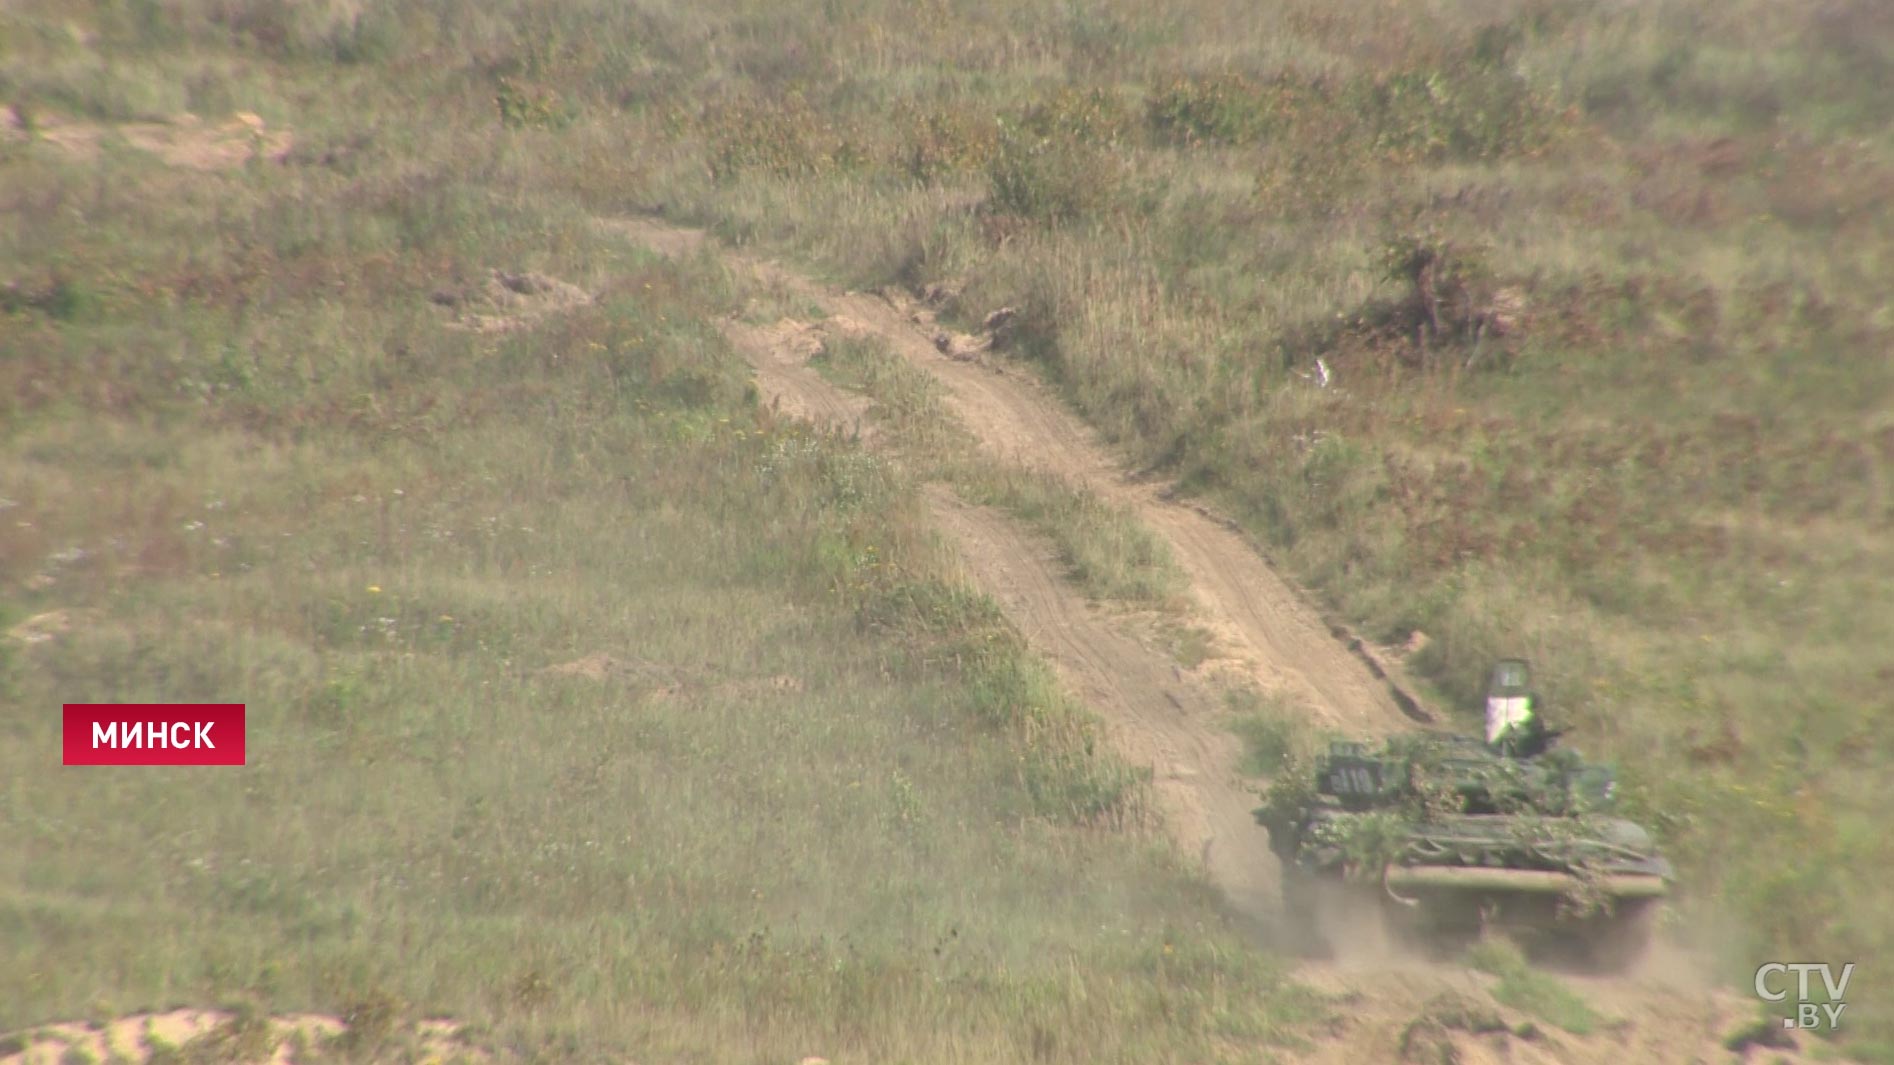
(1462, 113)
(945, 140)
(1052, 179)
(784, 138)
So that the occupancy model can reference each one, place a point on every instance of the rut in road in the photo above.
(1282, 642)
(1159, 716)
(1156, 714)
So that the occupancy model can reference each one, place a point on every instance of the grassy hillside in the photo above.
(588, 703)
(1598, 286)
(1599, 289)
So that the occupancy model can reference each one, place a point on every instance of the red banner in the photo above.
(154, 734)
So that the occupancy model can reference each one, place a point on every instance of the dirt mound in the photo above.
(185, 140)
(236, 1038)
(508, 301)
(795, 341)
(996, 329)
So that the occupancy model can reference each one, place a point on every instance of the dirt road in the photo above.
(1157, 715)
(1161, 716)
(1284, 644)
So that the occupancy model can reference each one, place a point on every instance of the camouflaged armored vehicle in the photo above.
(1434, 837)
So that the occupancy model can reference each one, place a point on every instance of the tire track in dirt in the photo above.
(1275, 636)
(1160, 716)
(1279, 640)
(1156, 714)
(780, 355)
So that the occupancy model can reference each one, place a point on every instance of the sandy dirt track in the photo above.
(1157, 715)
(1165, 718)
(1281, 640)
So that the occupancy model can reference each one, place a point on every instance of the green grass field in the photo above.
(1601, 290)
(589, 704)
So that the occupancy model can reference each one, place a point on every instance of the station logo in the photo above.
(1817, 1012)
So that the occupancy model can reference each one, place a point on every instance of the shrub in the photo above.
(945, 140)
(1225, 109)
(1235, 109)
(1268, 742)
(247, 1035)
(1052, 179)
(1451, 301)
(1095, 116)
(783, 138)
(1448, 285)
(1433, 115)
(372, 1019)
(62, 299)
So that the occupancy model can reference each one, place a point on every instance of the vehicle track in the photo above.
(780, 356)
(1276, 636)
(1160, 716)
(1156, 714)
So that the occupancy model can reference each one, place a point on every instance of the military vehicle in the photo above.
(1432, 838)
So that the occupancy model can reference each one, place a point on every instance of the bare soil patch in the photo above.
(508, 301)
(237, 1039)
(1277, 640)
(44, 627)
(185, 140)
